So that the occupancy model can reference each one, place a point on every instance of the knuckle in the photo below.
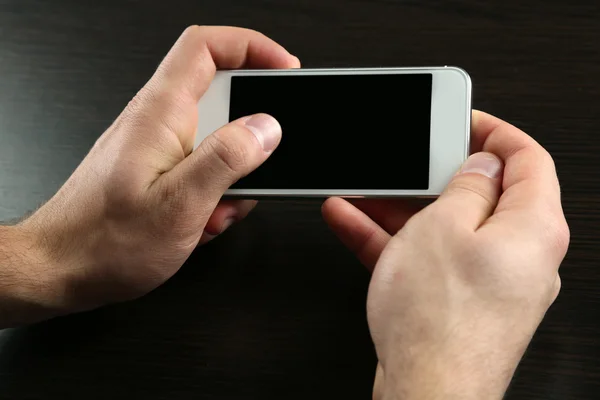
(174, 197)
(174, 214)
(171, 114)
(560, 236)
(544, 155)
(478, 186)
(556, 288)
(141, 105)
(229, 151)
(136, 103)
(154, 107)
(193, 32)
(171, 214)
(135, 109)
(552, 232)
(545, 160)
(539, 157)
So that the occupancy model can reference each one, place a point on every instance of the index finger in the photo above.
(531, 191)
(173, 92)
(192, 62)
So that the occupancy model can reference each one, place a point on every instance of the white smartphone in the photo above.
(368, 132)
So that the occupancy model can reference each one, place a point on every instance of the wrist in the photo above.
(31, 284)
(448, 374)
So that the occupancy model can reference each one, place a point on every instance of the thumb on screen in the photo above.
(224, 157)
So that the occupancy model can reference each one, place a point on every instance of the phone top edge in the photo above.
(357, 69)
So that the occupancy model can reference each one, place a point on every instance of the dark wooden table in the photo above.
(275, 307)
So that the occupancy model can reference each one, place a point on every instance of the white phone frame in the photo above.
(450, 126)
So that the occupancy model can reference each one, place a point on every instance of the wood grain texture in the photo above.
(276, 307)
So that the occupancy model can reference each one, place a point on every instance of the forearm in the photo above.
(448, 377)
(27, 290)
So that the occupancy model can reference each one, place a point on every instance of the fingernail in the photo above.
(484, 164)
(227, 223)
(266, 129)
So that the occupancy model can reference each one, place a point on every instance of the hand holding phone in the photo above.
(138, 204)
(349, 132)
(459, 288)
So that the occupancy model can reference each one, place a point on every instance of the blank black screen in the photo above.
(341, 132)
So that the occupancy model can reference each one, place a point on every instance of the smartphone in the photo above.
(367, 132)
